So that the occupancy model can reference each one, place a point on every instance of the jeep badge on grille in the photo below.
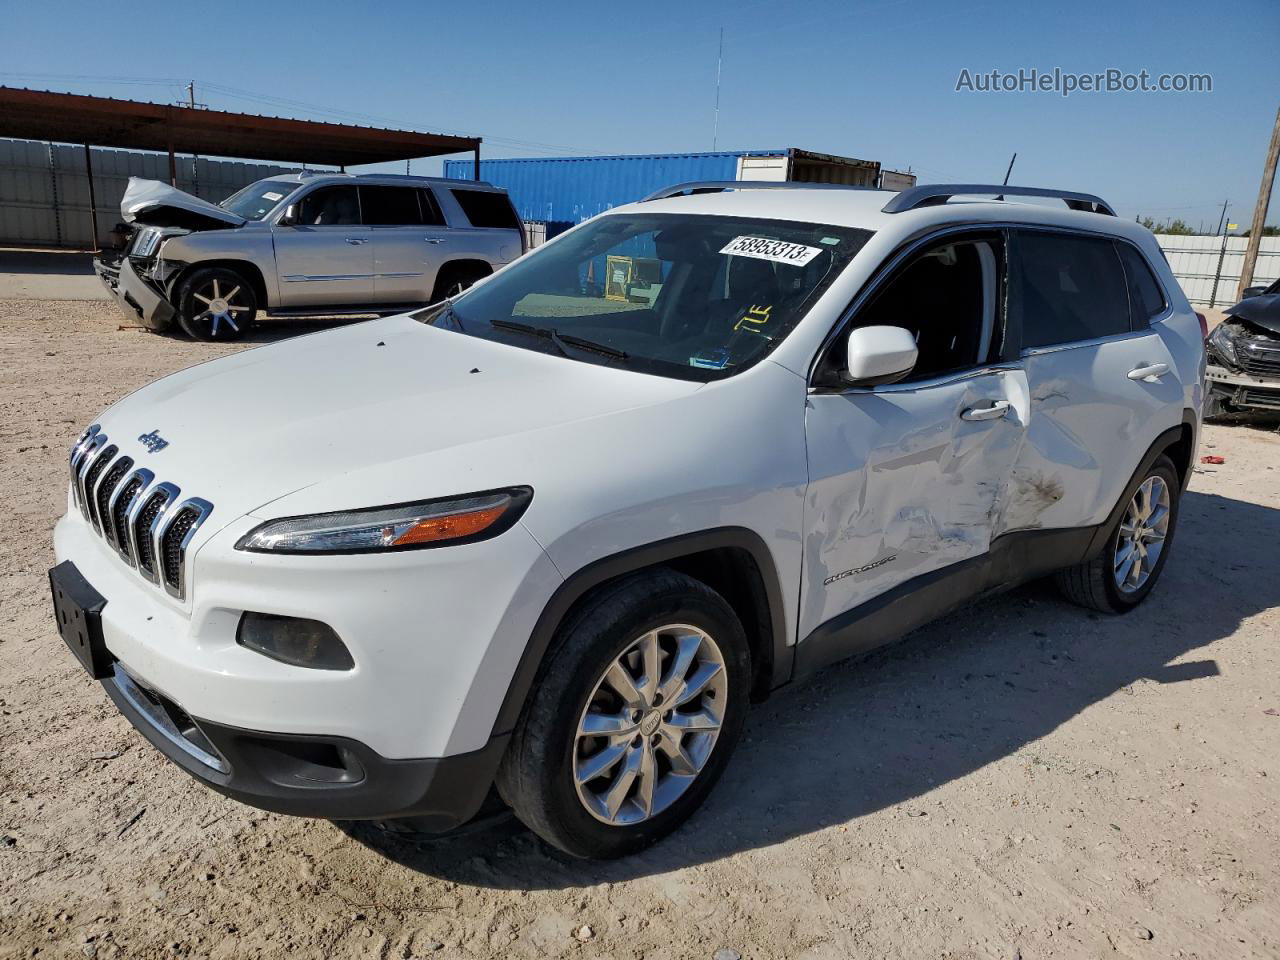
(153, 441)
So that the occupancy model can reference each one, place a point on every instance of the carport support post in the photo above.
(93, 200)
(475, 175)
(173, 167)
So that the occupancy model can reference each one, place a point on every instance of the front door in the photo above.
(324, 258)
(907, 479)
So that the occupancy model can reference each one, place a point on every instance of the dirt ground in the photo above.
(1022, 779)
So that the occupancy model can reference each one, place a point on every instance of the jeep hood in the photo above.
(391, 408)
(157, 204)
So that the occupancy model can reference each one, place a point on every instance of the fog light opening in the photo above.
(294, 640)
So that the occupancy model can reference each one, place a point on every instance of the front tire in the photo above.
(633, 718)
(215, 303)
(1137, 547)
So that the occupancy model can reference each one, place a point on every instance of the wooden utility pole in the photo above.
(1260, 211)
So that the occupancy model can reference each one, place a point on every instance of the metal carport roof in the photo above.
(106, 122)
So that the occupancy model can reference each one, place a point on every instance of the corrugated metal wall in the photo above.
(563, 191)
(1195, 262)
(44, 189)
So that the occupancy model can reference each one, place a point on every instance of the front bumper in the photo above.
(1241, 390)
(309, 776)
(139, 300)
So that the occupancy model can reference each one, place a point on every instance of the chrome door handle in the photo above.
(1150, 372)
(357, 240)
(998, 408)
(434, 239)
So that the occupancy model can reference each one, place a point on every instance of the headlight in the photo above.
(410, 526)
(1222, 341)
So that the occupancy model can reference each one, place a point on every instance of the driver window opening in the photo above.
(948, 299)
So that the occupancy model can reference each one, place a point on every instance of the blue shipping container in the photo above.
(563, 191)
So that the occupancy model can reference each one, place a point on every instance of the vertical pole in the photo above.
(173, 166)
(53, 188)
(1222, 254)
(1260, 210)
(715, 127)
(93, 199)
(475, 174)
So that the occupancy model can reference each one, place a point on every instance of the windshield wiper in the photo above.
(561, 340)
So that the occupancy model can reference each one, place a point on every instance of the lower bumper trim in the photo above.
(304, 775)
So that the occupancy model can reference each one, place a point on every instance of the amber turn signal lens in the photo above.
(449, 528)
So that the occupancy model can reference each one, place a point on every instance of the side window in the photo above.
(390, 206)
(487, 208)
(949, 297)
(431, 213)
(329, 206)
(1146, 297)
(1067, 288)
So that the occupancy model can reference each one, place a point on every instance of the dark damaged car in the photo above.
(305, 244)
(1244, 357)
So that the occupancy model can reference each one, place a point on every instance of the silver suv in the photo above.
(305, 245)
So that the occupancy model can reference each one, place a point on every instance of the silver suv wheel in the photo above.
(1142, 534)
(650, 725)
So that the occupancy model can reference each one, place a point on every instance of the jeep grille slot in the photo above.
(142, 530)
(120, 513)
(171, 544)
(100, 461)
(102, 496)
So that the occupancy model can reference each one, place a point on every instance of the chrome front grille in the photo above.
(145, 522)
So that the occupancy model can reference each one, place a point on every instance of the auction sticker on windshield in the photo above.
(779, 251)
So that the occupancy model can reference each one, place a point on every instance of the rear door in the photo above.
(905, 479)
(324, 258)
(1102, 379)
(409, 241)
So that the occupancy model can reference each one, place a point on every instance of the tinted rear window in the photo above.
(390, 206)
(1146, 298)
(487, 209)
(1068, 288)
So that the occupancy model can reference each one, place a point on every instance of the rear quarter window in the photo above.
(1146, 296)
(485, 208)
(1068, 288)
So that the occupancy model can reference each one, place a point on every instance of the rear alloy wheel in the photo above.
(453, 281)
(216, 304)
(1126, 570)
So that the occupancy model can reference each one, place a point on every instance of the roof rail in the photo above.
(716, 186)
(928, 195)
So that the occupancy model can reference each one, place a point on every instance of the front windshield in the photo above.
(688, 296)
(258, 199)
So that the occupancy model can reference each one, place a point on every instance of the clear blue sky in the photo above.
(875, 80)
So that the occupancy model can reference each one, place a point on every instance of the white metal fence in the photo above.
(44, 188)
(1195, 262)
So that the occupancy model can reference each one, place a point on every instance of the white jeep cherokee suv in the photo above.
(552, 536)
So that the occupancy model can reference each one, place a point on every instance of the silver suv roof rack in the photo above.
(716, 186)
(931, 194)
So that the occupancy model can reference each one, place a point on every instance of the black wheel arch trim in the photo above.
(577, 585)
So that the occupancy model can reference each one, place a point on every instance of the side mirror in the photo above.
(290, 216)
(879, 355)
(1254, 291)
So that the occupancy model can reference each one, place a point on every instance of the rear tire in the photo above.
(453, 280)
(216, 304)
(667, 753)
(1112, 582)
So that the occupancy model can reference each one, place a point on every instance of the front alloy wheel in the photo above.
(216, 304)
(633, 716)
(650, 725)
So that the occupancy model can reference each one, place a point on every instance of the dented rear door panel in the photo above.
(901, 485)
(1089, 427)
